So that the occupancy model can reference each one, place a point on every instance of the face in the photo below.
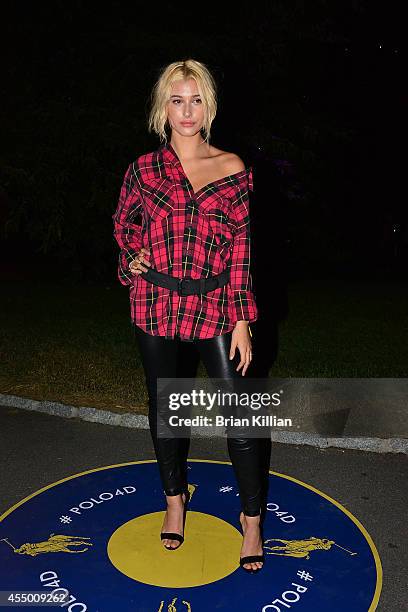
(185, 109)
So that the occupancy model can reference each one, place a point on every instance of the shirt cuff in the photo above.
(124, 274)
(243, 307)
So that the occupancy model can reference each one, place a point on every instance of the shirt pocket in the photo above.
(158, 196)
(215, 211)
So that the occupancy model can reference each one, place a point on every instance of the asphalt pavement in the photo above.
(38, 449)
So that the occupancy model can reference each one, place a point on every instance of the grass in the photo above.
(73, 344)
(345, 329)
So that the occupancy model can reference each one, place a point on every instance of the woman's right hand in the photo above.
(136, 266)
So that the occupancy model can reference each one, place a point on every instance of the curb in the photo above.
(96, 415)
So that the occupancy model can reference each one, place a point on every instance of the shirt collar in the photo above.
(170, 155)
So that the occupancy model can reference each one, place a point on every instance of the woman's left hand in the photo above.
(242, 340)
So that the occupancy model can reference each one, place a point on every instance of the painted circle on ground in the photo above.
(209, 552)
(97, 535)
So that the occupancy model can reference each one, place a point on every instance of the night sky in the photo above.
(311, 94)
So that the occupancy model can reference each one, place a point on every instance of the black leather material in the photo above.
(159, 358)
(187, 285)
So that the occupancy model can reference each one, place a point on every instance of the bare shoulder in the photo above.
(230, 163)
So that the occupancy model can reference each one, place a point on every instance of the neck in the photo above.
(188, 148)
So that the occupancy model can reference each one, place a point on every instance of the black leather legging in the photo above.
(159, 357)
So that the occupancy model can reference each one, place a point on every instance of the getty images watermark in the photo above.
(254, 407)
(210, 401)
(220, 407)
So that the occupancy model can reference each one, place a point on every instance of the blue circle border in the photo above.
(378, 566)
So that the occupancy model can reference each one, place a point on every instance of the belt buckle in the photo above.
(181, 284)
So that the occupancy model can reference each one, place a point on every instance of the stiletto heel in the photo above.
(252, 558)
(167, 535)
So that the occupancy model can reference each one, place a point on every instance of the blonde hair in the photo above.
(187, 69)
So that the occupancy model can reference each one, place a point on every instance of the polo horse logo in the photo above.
(55, 543)
(172, 608)
(301, 549)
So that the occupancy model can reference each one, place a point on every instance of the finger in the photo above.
(244, 369)
(137, 269)
(247, 362)
(239, 366)
(248, 357)
(242, 361)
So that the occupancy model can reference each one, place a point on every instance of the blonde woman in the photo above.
(182, 224)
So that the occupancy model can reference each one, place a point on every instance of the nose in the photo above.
(187, 110)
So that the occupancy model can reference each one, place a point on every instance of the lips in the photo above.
(187, 123)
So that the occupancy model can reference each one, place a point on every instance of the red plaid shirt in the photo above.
(188, 234)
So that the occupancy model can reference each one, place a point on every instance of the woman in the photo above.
(183, 213)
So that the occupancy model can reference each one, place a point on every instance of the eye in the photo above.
(177, 100)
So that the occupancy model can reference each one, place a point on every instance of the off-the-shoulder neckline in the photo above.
(224, 179)
(236, 175)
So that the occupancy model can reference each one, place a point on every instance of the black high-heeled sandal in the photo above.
(168, 535)
(252, 558)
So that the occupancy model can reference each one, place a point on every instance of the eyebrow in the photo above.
(180, 96)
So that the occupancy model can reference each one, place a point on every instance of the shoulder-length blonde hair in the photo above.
(187, 69)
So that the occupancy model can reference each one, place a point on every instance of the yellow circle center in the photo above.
(209, 552)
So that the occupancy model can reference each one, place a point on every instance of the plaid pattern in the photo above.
(196, 234)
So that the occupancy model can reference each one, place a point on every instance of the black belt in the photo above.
(186, 285)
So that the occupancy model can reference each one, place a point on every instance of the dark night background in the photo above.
(311, 94)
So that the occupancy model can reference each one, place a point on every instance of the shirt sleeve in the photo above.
(243, 306)
(128, 234)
